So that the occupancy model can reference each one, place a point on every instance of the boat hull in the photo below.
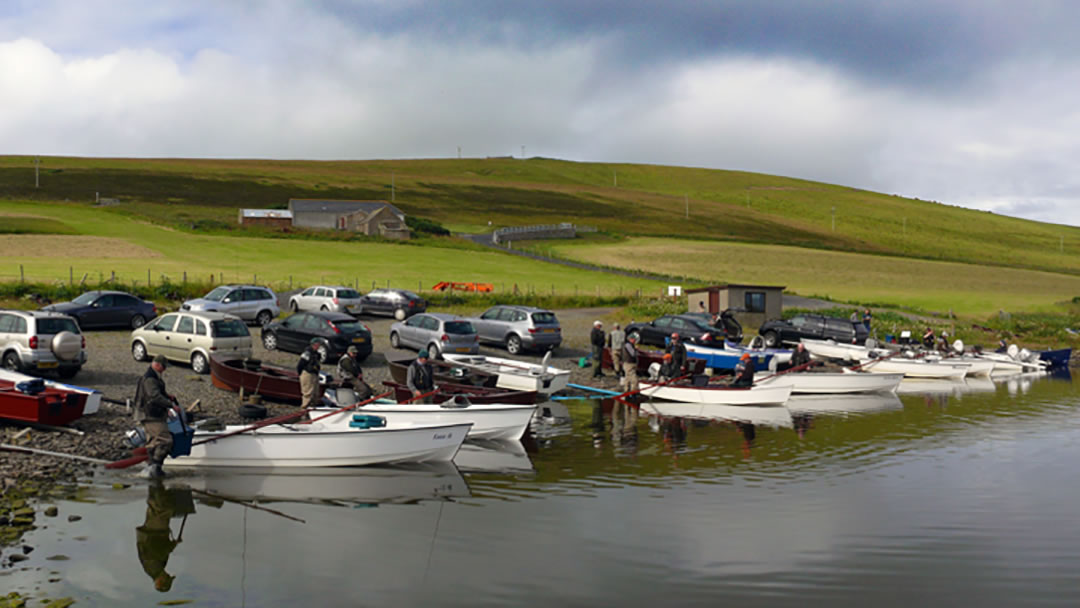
(272, 381)
(1056, 359)
(475, 394)
(721, 359)
(51, 406)
(513, 374)
(93, 397)
(833, 383)
(755, 395)
(825, 349)
(916, 369)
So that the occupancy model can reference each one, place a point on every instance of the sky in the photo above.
(966, 102)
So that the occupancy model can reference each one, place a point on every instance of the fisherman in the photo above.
(667, 368)
(744, 371)
(308, 367)
(678, 353)
(800, 357)
(152, 405)
(596, 338)
(1003, 346)
(420, 378)
(630, 362)
(866, 318)
(348, 367)
(928, 338)
(616, 341)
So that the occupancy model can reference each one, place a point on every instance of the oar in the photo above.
(349, 407)
(797, 368)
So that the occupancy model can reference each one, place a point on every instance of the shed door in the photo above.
(714, 301)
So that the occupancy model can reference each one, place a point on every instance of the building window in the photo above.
(755, 301)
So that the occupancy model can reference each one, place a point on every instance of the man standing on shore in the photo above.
(630, 362)
(152, 405)
(596, 339)
(308, 368)
(616, 341)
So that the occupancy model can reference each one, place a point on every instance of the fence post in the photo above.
(71, 276)
(290, 282)
(148, 277)
(254, 278)
(185, 277)
(22, 277)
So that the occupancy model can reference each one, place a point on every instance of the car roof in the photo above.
(329, 287)
(444, 316)
(37, 314)
(329, 316)
(203, 314)
(522, 307)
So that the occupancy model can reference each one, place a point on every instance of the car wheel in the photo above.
(324, 353)
(772, 339)
(138, 351)
(395, 341)
(11, 361)
(199, 363)
(269, 340)
(137, 321)
(399, 314)
(263, 318)
(434, 351)
(513, 344)
(293, 307)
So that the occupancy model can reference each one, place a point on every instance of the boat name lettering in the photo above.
(443, 436)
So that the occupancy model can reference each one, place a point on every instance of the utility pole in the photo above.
(37, 165)
(834, 219)
(459, 152)
(391, 186)
(615, 177)
(687, 196)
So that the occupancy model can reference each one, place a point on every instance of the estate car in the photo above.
(437, 332)
(248, 302)
(519, 327)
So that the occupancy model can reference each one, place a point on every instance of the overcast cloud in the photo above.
(975, 103)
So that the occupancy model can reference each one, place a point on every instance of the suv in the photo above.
(39, 340)
(248, 302)
(519, 327)
(191, 337)
(815, 327)
(692, 328)
(437, 332)
(334, 298)
(399, 303)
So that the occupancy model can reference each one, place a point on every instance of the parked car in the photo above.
(691, 327)
(191, 337)
(816, 327)
(107, 309)
(519, 328)
(334, 298)
(336, 331)
(398, 303)
(36, 341)
(437, 332)
(248, 302)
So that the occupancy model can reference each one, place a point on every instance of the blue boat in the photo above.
(1056, 358)
(724, 359)
(782, 355)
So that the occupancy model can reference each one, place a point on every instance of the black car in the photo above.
(335, 331)
(691, 328)
(815, 327)
(398, 303)
(107, 309)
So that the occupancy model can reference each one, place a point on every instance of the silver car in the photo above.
(330, 298)
(191, 337)
(36, 341)
(248, 302)
(437, 332)
(519, 327)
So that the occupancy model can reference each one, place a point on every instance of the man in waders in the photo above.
(616, 341)
(152, 405)
(630, 361)
(420, 378)
(308, 368)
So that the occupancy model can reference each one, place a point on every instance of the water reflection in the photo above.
(855, 403)
(493, 456)
(154, 540)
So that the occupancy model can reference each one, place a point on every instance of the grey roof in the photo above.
(278, 213)
(301, 205)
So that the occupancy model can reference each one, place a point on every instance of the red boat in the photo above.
(645, 358)
(258, 377)
(445, 373)
(50, 406)
(476, 394)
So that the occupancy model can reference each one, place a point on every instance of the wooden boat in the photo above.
(1056, 358)
(51, 406)
(717, 394)
(320, 445)
(851, 403)
(828, 349)
(829, 382)
(266, 379)
(93, 397)
(722, 359)
(648, 357)
(912, 368)
(445, 374)
(476, 394)
(772, 416)
(489, 420)
(514, 374)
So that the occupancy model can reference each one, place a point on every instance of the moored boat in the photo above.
(648, 357)
(763, 394)
(722, 359)
(1055, 359)
(444, 373)
(828, 349)
(780, 355)
(514, 374)
(914, 368)
(829, 382)
(475, 394)
(35, 403)
(93, 397)
(266, 379)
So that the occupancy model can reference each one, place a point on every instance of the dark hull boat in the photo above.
(1056, 359)
(476, 394)
(257, 377)
(46, 406)
(445, 373)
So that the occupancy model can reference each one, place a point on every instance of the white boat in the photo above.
(93, 397)
(828, 349)
(320, 445)
(773, 416)
(493, 456)
(913, 368)
(1004, 364)
(764, 394)
(830, 382)
(852, 403)
(514, 374)
(489, 420)
(978, 367)
(392, 484)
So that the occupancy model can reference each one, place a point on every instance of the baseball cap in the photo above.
(161, 360)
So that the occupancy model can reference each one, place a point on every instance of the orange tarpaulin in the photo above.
(444, 285)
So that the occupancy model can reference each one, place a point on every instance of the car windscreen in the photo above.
(459, 328)
(217, 294)
(410, 295)
(228, 328)
(349, 327)
(85, 298)
(702, 325)
(55, 326)
(347, 294)
(548, 318)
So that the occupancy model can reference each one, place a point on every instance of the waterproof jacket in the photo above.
(420, 377)
(309, 362)
(629, 353)
(678, 354)
(151, 400)
(596, 338)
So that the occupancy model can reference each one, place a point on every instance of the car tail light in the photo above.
(33, 342)
(213, 348)
(532, 330)
(366, 327)
(445, 338)
(84, 341)
(334, 327)
(153, 309)
(705, 337)
(335, 302)
(411, 303)
(476, 337)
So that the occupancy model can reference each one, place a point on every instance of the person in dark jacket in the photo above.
(152, 405)
(928, 338)
(308, 367)
(421, 377)
(744, 371)
(866, 318)
(678, 353)
(668, 369)
(351, 375)
(596, 339)
(630, 362)
(800, 357)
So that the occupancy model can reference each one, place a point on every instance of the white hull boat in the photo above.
(764, 394)
(93, 397)
(853, 403)
(915, 369)
(827, 349)
(320, 445)
(493, 456)
(832, 383)
(773, 416)
(978, 367)
(489, 420)
(515, 375)
(1003, 363)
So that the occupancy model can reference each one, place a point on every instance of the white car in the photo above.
(191, 337)
(249, 302)
(329, 298)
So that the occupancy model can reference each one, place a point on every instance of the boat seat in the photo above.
(458, 402)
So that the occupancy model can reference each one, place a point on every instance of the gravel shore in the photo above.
(111, 370)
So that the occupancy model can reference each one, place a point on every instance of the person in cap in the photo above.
(308, 367)
(351, 375)
(678, 353)
(152, 405)
(630, 362)
(744, 371)
(596, 338)
(667, 368)
(420, 378)
(616, 341)
(800, 357)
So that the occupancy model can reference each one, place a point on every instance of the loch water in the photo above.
(943, 494)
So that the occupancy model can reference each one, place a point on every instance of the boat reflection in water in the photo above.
(493, 456)
(340, 486)
(844, 404)
(945, 388)
(673, 419)
(154, 540)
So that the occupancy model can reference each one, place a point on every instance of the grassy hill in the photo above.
(641, 200)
